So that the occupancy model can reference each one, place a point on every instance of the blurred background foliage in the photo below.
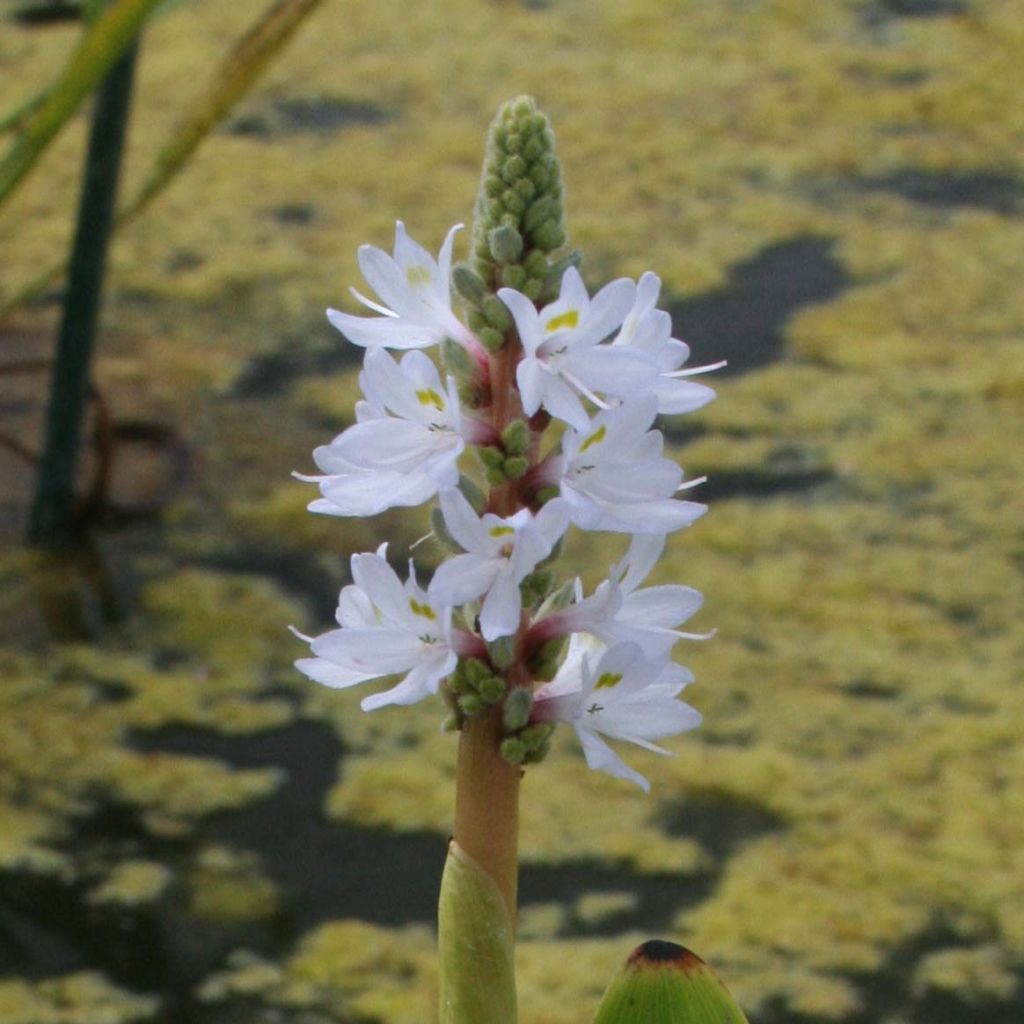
(833, 193)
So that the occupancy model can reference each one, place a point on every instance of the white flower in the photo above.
(562, 357)
(613, 476)
(624, 697)
(387, 628)
(621, 611)
(416, 292)
(405, 446)
(649, 330)
(500, 553)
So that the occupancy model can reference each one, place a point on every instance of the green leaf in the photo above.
(662, 983)
(245, 62)
(475, 939)
(233, 78)
(99, 48)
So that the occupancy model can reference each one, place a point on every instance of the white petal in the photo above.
(500, 613)
(601, 757)
(530, 378)
(463, 523)
(614, 371)
(330, 674)
(560, 400)
(608, 309)
(375, 332)
(464, 578)
(524, 313)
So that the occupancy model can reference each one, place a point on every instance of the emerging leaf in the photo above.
(662, 983)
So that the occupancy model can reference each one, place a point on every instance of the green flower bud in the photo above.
(497, 315)
(515, 466)
(457, 360)
(502, 651)
(550, 235)
(513, 751)
(540, 210)
(536, 264)
(492, 458)
(470, 703)
(513, 276)
(516, 711)
(491, 339)
(492, 689)
(520, 154)
(532, 288)
(535, 587)
(513, 202)
(538, 754)
(525, 189)
(513, 169)
(515, 438)
(468, 284)
(535, 736)
(547, 659)
(505, 241)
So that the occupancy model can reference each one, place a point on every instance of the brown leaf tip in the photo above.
(658, 953)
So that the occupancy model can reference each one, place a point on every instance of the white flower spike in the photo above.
(387, 628)
(613, 477)
(500, 554)
(623, 696)
(416, 292)
(405, 446)
(562, 354)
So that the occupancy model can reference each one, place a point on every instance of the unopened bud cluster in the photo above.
(537, 419)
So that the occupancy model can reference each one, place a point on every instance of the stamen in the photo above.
(584, 390)
(375, 306)
(697, 369)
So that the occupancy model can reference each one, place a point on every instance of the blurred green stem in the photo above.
(52, 521)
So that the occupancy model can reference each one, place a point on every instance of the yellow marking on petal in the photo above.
(595, 438)
(570, 318)
(607, 679)
(422, 609)
(428, 396)
(418, 275)
(501, 531)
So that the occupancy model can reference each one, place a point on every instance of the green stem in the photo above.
(487, 804)
(52, 521)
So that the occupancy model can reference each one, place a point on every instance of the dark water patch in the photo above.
(721, 823)
(891, 992)
(656, 898)
(46, 12)
(270, 374)
(752, 483)
(879, 10)
(743, 321)
(870, 689)
(318, 115)
(947, 190)
(295, 214)
(302, 575)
